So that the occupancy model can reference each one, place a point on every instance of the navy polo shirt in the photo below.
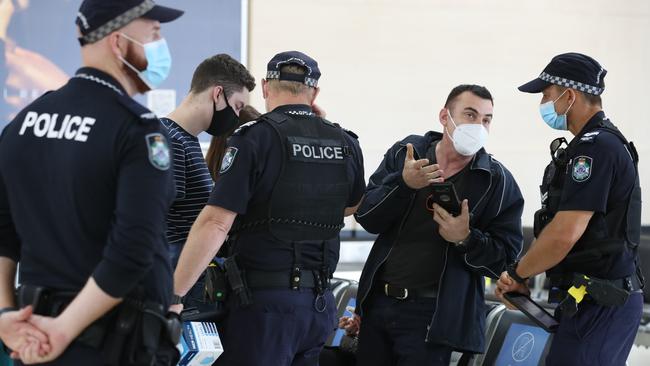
(600, 175)
(248, 174)
(85, 186)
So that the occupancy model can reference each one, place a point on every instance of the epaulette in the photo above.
(354, 135)
(140, 111)
(589, 137)
(241, 129)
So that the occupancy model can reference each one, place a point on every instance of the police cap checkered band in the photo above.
(301, 78)
(571, 84)
(309, 77)
(98, 18)
(571, 70)
(118, 22)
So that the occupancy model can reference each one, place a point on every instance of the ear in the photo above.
(314, 95)
(117, 48)
(265, 88)
(216, 91)
(443, 116)
(572, 95)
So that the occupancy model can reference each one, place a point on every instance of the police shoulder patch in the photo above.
(158, 149)
(228, 159)
(582, 168)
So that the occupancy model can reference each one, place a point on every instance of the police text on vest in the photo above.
(317, 152)
(52, 127)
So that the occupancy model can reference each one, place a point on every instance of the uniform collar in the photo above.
(593, 122)
(296, 109)
(101, 78)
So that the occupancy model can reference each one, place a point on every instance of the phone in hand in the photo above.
(444, 194)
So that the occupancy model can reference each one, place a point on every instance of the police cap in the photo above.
(571, 70)
(98, 18)
(309, 78)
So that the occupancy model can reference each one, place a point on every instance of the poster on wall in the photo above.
(39, 49)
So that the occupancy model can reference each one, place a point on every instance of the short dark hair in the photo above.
(221, 70)
(479, 91)
(594, 100)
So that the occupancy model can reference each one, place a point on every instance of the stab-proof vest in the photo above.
(607, 233)
(312, 190)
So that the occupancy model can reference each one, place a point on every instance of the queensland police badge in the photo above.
(228, 159)
(582, 168)
(158, 149)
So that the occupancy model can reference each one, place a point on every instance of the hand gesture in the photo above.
(418, 174)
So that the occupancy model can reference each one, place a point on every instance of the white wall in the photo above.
(389, 65)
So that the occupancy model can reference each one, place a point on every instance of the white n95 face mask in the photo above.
(468, 138)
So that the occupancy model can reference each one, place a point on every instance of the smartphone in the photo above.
(533, 311)
(444, 194)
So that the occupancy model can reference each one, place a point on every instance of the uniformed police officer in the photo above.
(286, 182)
(589, 226)
(85, 185)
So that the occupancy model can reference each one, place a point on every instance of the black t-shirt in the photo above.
(249, 170)
(417, 258)
(85, 186)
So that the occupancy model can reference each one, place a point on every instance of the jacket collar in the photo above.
(482, 160)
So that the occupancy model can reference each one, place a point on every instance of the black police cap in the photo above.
(309, 78)
(98, 18)
(571, 70)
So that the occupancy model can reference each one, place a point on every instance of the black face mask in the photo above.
(222, 121)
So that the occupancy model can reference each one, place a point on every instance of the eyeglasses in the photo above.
(558, 150)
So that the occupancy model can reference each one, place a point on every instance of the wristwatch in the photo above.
(177, 299)
(512, 272)
(463, 242)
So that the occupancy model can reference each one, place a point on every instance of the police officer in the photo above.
(85, 185)
(588, 229)
(286, 182)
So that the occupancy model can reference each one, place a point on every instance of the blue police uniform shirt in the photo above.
(193, 182)
(85, 185)
(248, 174)
(600, 175)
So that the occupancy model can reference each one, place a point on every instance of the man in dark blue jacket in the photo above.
(421, 290)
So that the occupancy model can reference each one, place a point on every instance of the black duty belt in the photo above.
(402, 293)
(260, 279)
(630, 284)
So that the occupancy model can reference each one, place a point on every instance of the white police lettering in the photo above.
(300, 113)
(47, 125)
(317, 152)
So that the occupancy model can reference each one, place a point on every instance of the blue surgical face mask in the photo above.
(550, 116)
(159, 62)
